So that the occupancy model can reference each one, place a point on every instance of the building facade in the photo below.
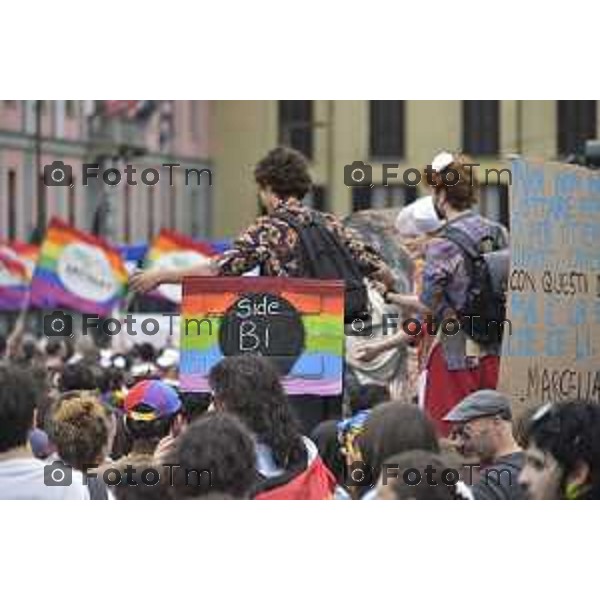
(36, 134)
(406, 134)
(228, 137)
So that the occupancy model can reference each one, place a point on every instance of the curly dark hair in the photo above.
(19, 394)
(215, 455)
(285, 172)
(569, 432)
(79, 428)
(249, 387)
(80, 376)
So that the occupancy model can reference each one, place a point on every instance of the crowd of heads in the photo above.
(102, 416)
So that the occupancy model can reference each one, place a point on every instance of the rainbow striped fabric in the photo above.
(78, 271)
(299, 323)
(171, 250)
(14, 280)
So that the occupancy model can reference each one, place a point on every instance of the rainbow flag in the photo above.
(28, 253)
(14, 280)
(171, 250)
(297, 323)
(78, 271)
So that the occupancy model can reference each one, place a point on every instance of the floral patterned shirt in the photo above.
(272, 244)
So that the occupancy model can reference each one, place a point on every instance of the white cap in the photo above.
(418, 218)
(168, 359)
(442, 161)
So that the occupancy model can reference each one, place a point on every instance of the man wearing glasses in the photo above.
(483, 424)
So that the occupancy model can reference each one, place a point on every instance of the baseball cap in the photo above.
(162, 399)
(482, 403)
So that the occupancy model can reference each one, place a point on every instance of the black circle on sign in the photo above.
(265, 324)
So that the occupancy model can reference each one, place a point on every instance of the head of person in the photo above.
(143, 480)
(454, 184)
(152, 411)
(365, 397)
(390, 429)
(80, 376)
(562, 459)
(417, 222)
(55, 354)
(482, 422)
(420, 475)
(215, 455)
(19, 393)
(248, 386)
(283, 174)
(80, 429)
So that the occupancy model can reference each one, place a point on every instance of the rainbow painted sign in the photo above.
(78, 271)
(297, 323)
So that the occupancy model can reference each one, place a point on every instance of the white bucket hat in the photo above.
(418, 218)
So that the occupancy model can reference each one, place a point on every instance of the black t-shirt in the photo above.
(500, 481)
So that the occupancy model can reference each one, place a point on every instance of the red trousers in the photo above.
(445, 389)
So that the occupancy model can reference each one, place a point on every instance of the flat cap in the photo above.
(482, 403)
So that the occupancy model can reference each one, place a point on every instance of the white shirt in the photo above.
(23, 479)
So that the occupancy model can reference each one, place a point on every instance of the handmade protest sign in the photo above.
(296, 323)
(551, 351)
(78, 271)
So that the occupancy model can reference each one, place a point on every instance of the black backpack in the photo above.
(324, 256)
(487, 266)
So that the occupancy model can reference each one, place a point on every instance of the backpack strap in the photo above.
(464, 241)
(307, 253)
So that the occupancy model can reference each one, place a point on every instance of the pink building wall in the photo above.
(190, 143)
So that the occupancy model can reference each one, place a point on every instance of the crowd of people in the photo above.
(77, 422)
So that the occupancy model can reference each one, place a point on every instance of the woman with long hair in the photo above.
(288, 464)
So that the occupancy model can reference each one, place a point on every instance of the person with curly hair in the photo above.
(81, 430)
(215, 455)
(274, 245)
(288, 465)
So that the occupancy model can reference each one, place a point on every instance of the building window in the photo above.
(576, 124)
(296, 125)
(193, 109)
(41, 203)
(70, 108)
(386, 129)
(493, 203)
(150, 213)
(481, 127)
(127, 215)
(72, 203)
(12, 204)
(383, 196)
(172, 207)
(316, 198)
